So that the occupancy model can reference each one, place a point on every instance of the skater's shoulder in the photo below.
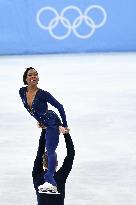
(22, 89)
(44, 92)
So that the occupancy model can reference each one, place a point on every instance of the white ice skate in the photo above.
(48, 188)
(48, 192)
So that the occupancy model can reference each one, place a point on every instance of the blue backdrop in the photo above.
(56, 26)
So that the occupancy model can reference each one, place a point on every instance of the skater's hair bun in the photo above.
(25, 75)
(45, 159)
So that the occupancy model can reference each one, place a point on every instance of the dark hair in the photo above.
(45, 159)
(25, 74)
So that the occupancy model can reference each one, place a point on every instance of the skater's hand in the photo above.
(67, 130)
(63, 130)
(41, 125)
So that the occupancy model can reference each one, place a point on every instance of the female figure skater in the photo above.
(35, 101)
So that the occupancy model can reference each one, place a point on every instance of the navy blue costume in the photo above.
(48, 118)
(60, 176)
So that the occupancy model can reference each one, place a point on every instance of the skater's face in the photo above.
(32, 77)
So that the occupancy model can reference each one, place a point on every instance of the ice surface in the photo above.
(98, 92)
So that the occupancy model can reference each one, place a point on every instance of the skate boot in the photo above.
(48, 188)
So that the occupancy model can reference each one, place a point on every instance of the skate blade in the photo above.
(48, 192)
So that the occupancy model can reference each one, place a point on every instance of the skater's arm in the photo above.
(50, 99)
(38, 163)
(22, 96)
(21, 92)
(68, 161)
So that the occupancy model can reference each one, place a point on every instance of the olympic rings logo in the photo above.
(83, 17)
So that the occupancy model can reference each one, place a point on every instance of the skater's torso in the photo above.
(30, 97)
(38, 106)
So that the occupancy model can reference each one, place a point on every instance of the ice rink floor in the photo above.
(98, 92)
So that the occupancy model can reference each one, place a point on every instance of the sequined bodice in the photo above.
(39, 105)
(31, 98)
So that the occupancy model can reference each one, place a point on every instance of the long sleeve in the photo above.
(56, 104)
(68, 161)
(21, 90)
(38, 165)
(23, 97)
